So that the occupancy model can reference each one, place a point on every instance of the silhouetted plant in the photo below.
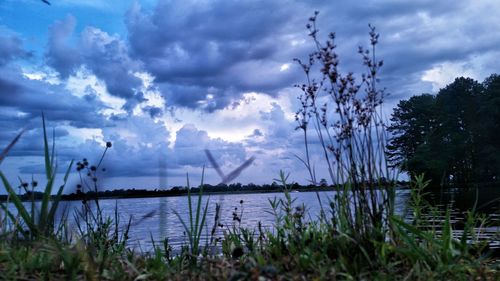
(38, 222)
(346, 116)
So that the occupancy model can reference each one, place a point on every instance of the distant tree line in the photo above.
(453, 137)
(175, 191)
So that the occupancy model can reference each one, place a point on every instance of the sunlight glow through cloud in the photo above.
(236, 122)
(285, 67)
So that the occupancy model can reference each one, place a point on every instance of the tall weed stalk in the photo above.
(346, 117)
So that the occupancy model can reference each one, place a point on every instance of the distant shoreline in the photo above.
(178, 191)
(158, 194)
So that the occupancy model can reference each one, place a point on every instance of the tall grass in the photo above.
(197, 218)
(39, 221)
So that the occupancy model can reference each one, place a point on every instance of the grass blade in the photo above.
(14, 220)
(189, 207)
(45, 202)
(198, 205)
(48, 164)
(57, 198)
(186, 228)
(18, 204)
(202, 223)
(11, 144)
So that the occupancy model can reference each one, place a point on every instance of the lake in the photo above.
(255, 207)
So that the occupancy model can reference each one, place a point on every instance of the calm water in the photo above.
(256, 208)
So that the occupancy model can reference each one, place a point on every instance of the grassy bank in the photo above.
(295, 250)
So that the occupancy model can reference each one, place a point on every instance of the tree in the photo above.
(323, 183)
(451, 137)
(456, 132)
(489, 128)
(412, 121)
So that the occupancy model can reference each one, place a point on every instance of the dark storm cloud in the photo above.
(228, 48)
(33, 97)
(153, 111)
(10, 49)
(8, 88)
(59, 53)
(195, 96)
(22, 102)
(414, 37)
(193, 48)
(221, 48)
(31, 142)
(225, 48)
(105, 55)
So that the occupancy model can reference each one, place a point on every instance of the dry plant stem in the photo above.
(349, 130)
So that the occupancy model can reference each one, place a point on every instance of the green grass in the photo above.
(37, 222)
(295, 250)
(197, 218)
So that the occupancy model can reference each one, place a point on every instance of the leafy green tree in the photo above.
(489, 128)
(412, 121)
(457, 129)
(451, 137)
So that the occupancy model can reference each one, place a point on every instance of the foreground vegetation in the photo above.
(297, 249)
(357, 236)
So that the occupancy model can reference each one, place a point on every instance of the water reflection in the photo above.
(255, 208)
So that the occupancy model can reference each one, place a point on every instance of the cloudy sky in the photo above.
(164, 80)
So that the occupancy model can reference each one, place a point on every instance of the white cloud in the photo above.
(235, 122)
(444, 73)
(84, 83)
(46, 75)
(284, 67)
(477, 67)
(152, 96)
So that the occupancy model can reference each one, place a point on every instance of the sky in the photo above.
(164, 80)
